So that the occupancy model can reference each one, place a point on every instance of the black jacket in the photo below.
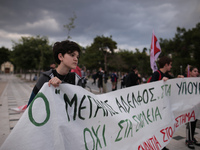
(71, 78)
(132, 79)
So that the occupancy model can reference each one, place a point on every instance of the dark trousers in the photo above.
(190, 130)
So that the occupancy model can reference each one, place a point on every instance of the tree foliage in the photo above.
(32, 53)
(93, 58)
(184, 48)
(139, 59)
(94, 54)
(36, 53)
(4, 55)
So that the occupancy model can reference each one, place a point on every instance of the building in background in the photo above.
(7, 67)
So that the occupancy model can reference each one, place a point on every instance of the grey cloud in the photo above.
(129, 22)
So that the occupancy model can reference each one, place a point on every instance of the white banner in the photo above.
(139, 117)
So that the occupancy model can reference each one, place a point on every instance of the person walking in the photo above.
(105, 79)
(94, 77)
(100, 80)
(113, 79)
(84, 76)
(123, 80)
(132, 78)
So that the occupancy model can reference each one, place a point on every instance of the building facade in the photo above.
(7, 67)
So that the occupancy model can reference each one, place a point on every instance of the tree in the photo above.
(195, 44)
(32, 53)
(184, 48)
(106, 45)
(4, 55)
(128, 58)
(139, 59)
(96, 55)
(91, 58)
(70, 26)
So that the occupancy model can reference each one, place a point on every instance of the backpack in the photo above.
(72, 77)
(127, 80)
(149, 80)
(131, 79)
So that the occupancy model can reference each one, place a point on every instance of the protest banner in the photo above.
(139, 117)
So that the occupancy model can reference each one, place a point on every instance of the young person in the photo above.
(164, 73)
(191, 126)
(132, 78)
(113, 79)
(165, 64)
(66, 55)
(100, 80)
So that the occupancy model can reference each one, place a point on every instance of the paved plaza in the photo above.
(15, 92)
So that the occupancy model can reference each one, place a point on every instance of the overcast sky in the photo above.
(130, 22)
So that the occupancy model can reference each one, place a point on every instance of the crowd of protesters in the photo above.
(66, 55)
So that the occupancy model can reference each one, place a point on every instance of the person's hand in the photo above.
(180, 76)
(165, 78)
(55, 82)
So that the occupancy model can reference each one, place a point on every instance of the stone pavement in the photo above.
(15, 92)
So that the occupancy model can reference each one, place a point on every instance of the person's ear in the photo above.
(60, 56)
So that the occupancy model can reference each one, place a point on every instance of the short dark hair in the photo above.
(164, 60)
(134, 67)
(64, 47)
(192, 68)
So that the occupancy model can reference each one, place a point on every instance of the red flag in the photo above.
(155, 52)
(77, 71)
